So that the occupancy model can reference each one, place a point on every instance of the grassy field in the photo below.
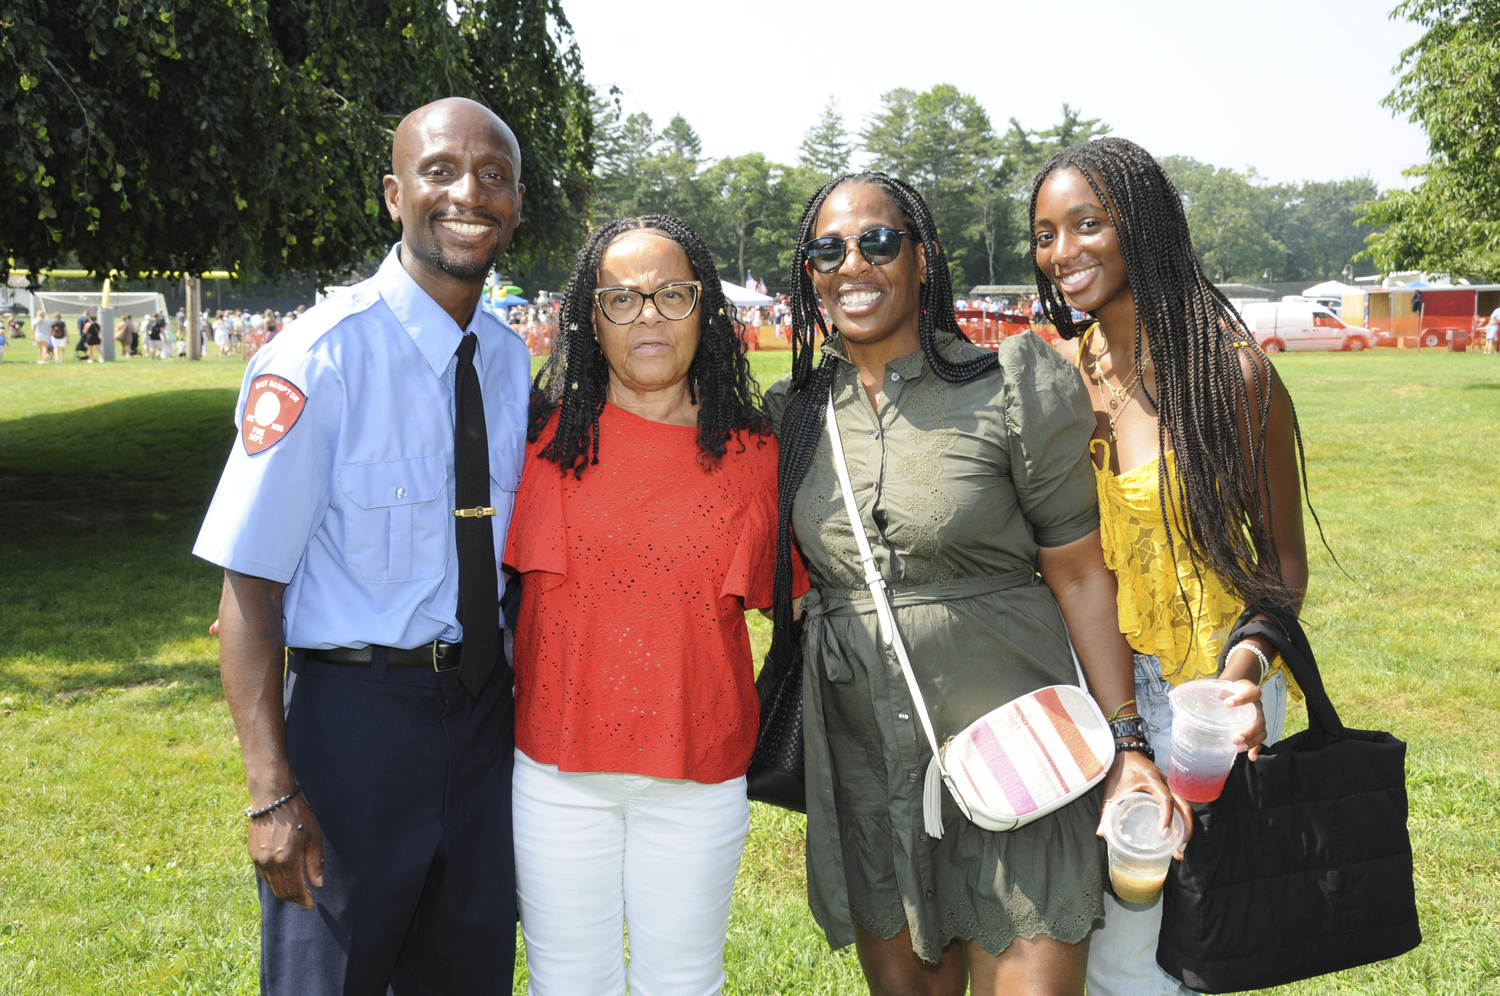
(121, 844)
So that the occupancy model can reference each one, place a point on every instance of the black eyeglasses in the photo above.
(878, 245)
(674, 302)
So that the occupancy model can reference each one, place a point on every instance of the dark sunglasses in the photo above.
(878, 245)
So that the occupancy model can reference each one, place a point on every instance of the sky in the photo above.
(1290, 88)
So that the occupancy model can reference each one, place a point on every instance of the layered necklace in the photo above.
(1114, 399)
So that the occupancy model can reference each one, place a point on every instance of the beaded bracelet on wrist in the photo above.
(1141, 748)
(255, 814)
(1265, 662)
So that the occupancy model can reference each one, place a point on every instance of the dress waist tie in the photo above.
(819, 643)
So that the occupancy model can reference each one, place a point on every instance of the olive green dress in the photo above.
(957, 486)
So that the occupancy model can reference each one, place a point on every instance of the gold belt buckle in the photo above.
(475, 513)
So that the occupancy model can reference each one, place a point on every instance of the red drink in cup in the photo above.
(1194, 789)
(1203, 732)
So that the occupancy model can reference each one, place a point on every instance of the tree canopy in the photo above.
(745, 207)
(169, 136)
(1243, 228)
(826, 147)
(942, 143)
(1450, 84)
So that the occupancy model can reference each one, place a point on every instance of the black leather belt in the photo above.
(437, 655)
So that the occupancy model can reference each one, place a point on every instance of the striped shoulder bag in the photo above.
(1015, 764)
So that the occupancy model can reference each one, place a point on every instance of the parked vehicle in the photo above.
(1297, 326)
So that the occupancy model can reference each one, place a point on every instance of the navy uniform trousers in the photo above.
(409, 778)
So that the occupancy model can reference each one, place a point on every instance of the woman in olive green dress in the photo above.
(971, 474)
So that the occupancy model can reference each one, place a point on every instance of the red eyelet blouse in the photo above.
(631, 650)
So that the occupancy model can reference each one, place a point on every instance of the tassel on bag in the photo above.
(932, 800)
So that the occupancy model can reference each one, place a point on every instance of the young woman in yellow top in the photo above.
(1197, 459)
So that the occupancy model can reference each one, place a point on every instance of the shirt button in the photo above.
(876, 433)
(400, 492)
(895, 376)
(902, 715)
(929, 893)
(911, 776)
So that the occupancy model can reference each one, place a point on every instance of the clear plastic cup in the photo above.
(1138, 854)
(1203, 732)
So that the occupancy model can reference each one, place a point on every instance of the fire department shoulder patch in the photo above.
(273, 407)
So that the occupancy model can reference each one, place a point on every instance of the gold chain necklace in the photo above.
(1118, 397)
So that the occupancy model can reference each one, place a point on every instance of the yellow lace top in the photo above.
(1185, 627)
(1187, 634)
(1182, 619)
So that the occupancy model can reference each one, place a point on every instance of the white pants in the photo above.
(597, 850)
(1122, 953)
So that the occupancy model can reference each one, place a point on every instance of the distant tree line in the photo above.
(1244, 229)
(250, 135)
(976, 180)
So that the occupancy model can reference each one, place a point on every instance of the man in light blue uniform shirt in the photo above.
(359, 521)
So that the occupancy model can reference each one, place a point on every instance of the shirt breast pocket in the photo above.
(505, 467)
(395, 518)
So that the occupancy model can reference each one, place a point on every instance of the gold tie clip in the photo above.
(474, 513)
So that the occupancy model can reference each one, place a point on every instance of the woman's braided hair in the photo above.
(802, 422)
(1194, 337)
(574, 381)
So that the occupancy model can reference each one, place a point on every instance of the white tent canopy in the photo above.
(744, 297)
(123, 302)
(1332, 288)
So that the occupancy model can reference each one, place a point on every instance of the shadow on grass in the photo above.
(100, 588)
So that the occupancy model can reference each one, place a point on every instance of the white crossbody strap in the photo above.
(888, 631)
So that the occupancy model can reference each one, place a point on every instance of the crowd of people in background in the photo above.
(241, 332)
(155, 336)
(536, 323)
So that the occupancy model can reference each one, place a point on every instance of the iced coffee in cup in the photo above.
(1203, 732)
(1138, 854)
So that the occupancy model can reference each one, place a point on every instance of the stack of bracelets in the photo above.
(1130, 724)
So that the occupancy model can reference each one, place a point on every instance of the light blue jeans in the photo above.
(1122, 953)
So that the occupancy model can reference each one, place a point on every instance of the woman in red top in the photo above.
(644, 528)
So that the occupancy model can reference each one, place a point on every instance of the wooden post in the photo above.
(106, 319)
(194, 305)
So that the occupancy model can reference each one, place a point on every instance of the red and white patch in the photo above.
(271, 410)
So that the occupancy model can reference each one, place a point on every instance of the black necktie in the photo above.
(478, 588)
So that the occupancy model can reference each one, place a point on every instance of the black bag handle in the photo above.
(1284, 632)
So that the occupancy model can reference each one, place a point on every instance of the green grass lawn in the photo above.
(121, 844)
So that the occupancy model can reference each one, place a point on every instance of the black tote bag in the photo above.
(775, 774)
(1303, 865)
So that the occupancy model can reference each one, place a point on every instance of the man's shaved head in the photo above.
(455, 188)
(449, 112)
